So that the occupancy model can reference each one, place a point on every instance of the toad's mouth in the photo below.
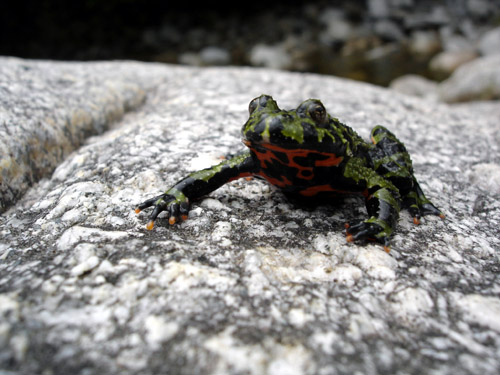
(255, 139)
(247, 143)
(263, 145)
(265, 150)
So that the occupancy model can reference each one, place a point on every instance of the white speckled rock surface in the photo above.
(46, 112)
(250, 284)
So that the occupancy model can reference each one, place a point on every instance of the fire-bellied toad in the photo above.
(307, 153)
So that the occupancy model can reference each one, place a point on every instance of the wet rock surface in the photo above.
(251, 283)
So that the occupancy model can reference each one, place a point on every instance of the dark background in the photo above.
(169, 31)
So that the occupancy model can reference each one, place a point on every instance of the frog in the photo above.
(310, 155)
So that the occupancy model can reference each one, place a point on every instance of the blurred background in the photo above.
(374, 41)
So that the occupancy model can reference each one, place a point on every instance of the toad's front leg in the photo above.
(176, 200)
(383, 208)
(418, 204)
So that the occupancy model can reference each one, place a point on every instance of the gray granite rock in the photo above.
(250, 284)
(476, 80)
(489, 44)
(445, 63)
(270, 56)
(415, 85)
(47, 109)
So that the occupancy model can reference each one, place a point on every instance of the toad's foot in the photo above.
(418, 205)
(173, 201)
(423, 210)
(372, 229)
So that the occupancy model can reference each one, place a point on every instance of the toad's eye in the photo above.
(253, 105)
(317, 113)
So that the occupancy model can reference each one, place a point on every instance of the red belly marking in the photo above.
(281, 182)
(313, 190)
(303, 172)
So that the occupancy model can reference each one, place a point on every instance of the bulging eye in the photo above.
(317, 113)
(253, 105)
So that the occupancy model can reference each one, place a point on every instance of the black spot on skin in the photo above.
(310, 133)
(281, 156)
(307, 173)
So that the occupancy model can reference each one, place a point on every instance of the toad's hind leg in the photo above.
(391, 160)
